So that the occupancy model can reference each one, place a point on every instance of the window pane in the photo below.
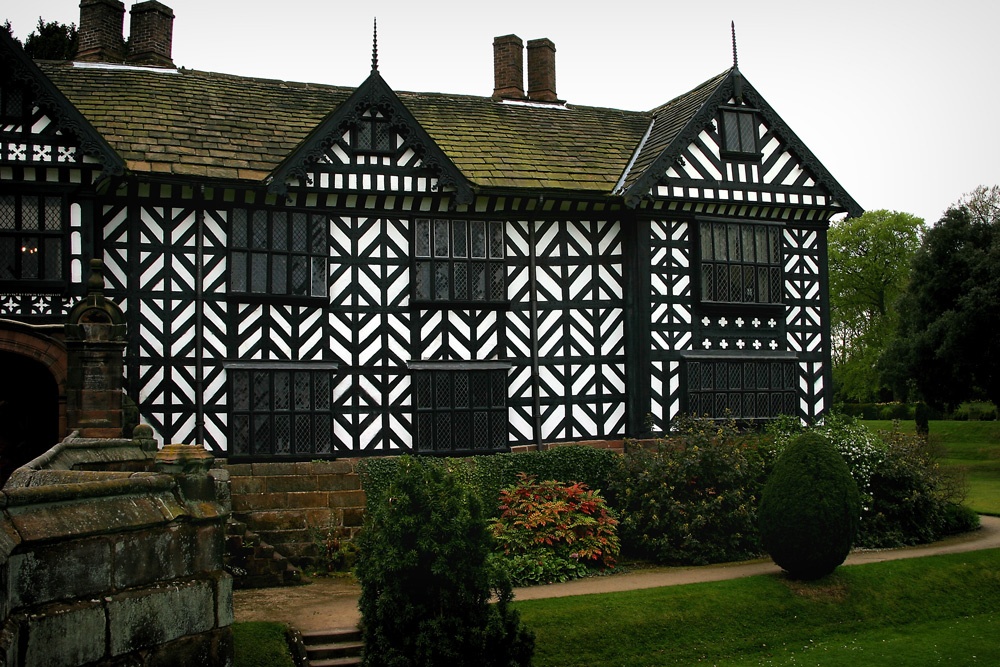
(258, 231)
(775, 254)
(279, 233)
(442, 389)
(706, 241)
(282, 434)
(733, 234)
(461, 390)
(238, 273)
(441, 233)
(441, 280)
(461, 280)
(736, 283)
(258, 273)
(29, 213)
(748, 254)
(321, 384)
(774, 273)
(719, 232)
(279, 274)
(318, 228)
(708, 282)
(8, 259)
(763, 284)
(498, 292)
(8, 213)
(241, 390)
(29, 257)
(261, 391)
(240, 228)
(422, 280)
(53, 214)
(365, 135)
(478, 281)
(722, 282)
(422, 239)
(282, 390)
(318, 276)
(300, 275)
(303, 399)
(731, 131)
(749, 286)
(261, 434)
(762, 244)
(461, 238)
(300, 233)
(478, 239)
(383, 137)
(496, 240)
(748, 143)
(53, 258)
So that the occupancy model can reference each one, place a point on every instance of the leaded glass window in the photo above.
(374, 134)
(281, 253)
(460, 410)
(740, 262)
(33, 239)
(739, 132)
(459, 261)
(281, 411)
(745, 390)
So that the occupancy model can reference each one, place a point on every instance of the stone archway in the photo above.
(32, 393)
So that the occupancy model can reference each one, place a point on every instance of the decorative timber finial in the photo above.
(737, 77)
(375, 45)
(736, 60)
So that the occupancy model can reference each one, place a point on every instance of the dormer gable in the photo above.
(373, 137)
(723, 133)
(38, 118)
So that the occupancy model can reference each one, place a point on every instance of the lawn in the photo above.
(973, 447)
(915, 612)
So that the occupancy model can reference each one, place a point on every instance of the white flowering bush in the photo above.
(906, 498)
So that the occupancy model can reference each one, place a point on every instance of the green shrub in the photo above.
(809, 508)
(921, 418)
(261, 644)
(976, 411)
(425, 581)
(691, 498)
(553, 531)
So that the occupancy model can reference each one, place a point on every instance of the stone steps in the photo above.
(340, 647)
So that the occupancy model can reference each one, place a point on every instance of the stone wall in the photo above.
(115, 567)
(290, 505)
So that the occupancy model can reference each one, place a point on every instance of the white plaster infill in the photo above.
(536, 105)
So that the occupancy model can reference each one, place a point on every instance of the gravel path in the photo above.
(333, 603)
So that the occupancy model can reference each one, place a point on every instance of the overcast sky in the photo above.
(899, 100)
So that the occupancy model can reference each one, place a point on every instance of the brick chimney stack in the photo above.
(542, 70)
(151, 34)
(100, 33)
(508, 68)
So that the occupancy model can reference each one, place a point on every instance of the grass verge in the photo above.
(260, 644)
(972, 448)
(769, 620)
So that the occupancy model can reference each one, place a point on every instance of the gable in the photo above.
(370, 143)
(39, 127)
(701, 160)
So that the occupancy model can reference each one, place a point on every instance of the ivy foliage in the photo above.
(426, 584)
(552, 531)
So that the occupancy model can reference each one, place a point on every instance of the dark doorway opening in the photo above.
(29, 411)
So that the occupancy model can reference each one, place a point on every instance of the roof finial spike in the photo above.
(736, 61)
(375, 45)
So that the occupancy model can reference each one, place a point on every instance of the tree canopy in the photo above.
(869, 269)
(52, 41)
(947, 345)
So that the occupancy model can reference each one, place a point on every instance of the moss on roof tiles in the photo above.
(200, 123)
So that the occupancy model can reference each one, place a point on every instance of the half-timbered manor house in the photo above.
(311, 271)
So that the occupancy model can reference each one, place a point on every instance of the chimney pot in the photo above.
(151, 34)
(542, 70)
(508, 68)
(99, 38)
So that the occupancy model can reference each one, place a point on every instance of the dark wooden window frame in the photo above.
(279, 255)
(459, 263)
(34, 240)
(740, 262)
(738, 129)
(744, 387)
(374, 135)
(459, 407)
(281, 410)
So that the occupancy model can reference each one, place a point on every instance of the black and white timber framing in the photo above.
(369, 296)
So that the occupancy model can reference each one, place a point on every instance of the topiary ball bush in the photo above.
(809, 508)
